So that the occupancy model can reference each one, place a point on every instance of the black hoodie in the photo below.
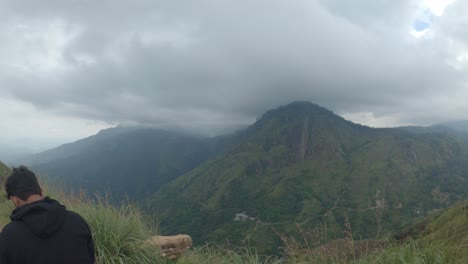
(46, 232)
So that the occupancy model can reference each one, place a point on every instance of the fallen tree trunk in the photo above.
(171, 246)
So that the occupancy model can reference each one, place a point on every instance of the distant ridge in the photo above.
(125, 162)
(460, 125)
(74, 148)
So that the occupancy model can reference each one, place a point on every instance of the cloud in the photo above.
(437, 7)
(208, 65)
(28, 129)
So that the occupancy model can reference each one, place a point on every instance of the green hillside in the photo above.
(439, 238)
(124, 162)
(4, 170)
(301, 165)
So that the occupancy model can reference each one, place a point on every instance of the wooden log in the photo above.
(171, 246)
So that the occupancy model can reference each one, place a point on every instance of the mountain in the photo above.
(125, 162)
(301, 165)
(298, 165)
(71, 149)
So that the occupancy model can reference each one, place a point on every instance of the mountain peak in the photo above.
(300, 112)
(299, 106)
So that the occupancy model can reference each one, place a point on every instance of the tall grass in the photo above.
(411, 252)
(212, 254)
(442, 240)
(120, 234)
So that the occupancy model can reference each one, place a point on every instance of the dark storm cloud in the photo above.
(212, 64)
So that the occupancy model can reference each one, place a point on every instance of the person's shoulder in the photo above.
(74, 214)
(76, 218)
(10, 229)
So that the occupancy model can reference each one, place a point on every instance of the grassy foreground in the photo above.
(438, 239)
(120, 234)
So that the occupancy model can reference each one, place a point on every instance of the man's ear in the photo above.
(16, 201)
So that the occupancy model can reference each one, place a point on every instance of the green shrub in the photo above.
(119, 233)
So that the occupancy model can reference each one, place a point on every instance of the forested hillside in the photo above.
(302, 165)
(125, 162)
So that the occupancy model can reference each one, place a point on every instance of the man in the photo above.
(41, 229)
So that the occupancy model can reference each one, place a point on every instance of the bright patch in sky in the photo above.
(437, 7)
(430, 10)
(372, 120)
(420, 25)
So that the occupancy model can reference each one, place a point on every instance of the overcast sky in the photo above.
(71, 67)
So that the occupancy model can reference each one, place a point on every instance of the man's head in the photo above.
(22, 186)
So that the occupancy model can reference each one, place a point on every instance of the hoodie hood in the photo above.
(44, 218)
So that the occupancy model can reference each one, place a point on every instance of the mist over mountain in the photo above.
(458, 129)
(11, 154)
(460, 125)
